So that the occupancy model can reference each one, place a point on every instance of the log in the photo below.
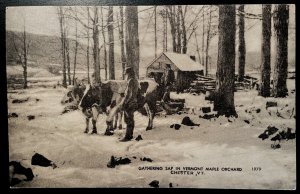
(271, 104)
(204, 77)
(204, 82)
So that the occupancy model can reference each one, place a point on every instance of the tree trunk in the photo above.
(242, 46)
(155, 36)
(164, 17)
(203, 34)
(183, 32)
(104, 43)
(24, 64)
(25, 76)
(281, 21)
(76, 48)
(171, 15)
(88, 48)
(62, 38)
(96, 47)
(88, 63)
(207, 42)
(121, 34)
(198, 50)
(266, 51)
(110, 31)
(75, 60)
(68, 60)
(224, 99)
(178, 30)
(132, 38)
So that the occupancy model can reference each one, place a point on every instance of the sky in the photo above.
(44, 20)
(39, 19)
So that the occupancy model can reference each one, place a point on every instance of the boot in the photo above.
(109, 129)
(126, 138)
(108, 133)
(94, 131)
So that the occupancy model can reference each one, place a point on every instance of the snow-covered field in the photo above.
(221, 143)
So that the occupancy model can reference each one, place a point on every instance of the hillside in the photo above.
(44, 51)
(253, 60)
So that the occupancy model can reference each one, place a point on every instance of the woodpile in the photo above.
(247, 83)
(172, 106)
(202, 84)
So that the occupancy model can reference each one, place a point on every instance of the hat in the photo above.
(128, 69)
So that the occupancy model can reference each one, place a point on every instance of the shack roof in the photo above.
(182, 61)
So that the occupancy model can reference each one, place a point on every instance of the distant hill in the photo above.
(45, 51)
(253, 60)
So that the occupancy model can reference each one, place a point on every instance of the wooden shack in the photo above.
(184, 66)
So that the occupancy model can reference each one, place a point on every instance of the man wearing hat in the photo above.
(169, 77)
(129, 102)
(168, 80)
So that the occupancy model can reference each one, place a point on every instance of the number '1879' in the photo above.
(256, 169)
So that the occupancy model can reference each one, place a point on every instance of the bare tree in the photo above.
(178, 30)
(183, 28)
(208, 41)
(242, 45)
(155, 36)
(88, 46)
(176, 18)
(76, 48)
(93, 18)
(63, 43)
(110, 30)
(96, 55)
(266, 51)
(198, 49)
(192, 24)
(163, 14)
(132, 38)
(281, 21)
(25, 56)
(204, 17)
(23, 53)
(165, 31)
(104, 43)
(203, 35)
(224, 98)
(67, 48)
(121, 37)
(171, 13)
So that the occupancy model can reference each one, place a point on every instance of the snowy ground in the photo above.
(82, 158)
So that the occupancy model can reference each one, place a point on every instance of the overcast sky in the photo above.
(39, 19)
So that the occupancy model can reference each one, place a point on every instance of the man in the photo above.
(129, 102)
(169, 79)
